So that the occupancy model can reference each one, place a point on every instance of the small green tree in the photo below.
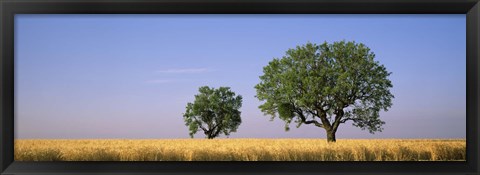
(326, 85)
(214, 111)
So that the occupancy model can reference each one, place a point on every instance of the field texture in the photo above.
(241, 150)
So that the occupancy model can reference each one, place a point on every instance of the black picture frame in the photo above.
(8, 9)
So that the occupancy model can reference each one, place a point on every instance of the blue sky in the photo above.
(130, 76)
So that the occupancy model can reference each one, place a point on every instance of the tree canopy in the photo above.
(214, 111)
(326, 85)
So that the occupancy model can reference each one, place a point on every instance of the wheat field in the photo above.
(241, 150)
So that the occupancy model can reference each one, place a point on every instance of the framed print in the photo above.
(230, 87)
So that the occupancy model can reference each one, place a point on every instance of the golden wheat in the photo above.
(241, 150)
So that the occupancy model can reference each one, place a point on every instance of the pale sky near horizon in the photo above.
(130, 76)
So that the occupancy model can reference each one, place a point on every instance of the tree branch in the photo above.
(339, 114)
(200, 125)
(323, 118)
(217, 132)
(312, 112)
(304, 119)
(347, 119)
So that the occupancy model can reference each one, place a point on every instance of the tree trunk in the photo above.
(331, 136)
(209, 134)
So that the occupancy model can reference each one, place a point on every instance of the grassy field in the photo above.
(241, 150)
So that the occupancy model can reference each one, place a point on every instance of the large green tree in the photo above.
(214, 111)
(326, 85)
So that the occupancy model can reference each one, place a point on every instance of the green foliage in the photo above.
(326, 85)
(214, 111)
